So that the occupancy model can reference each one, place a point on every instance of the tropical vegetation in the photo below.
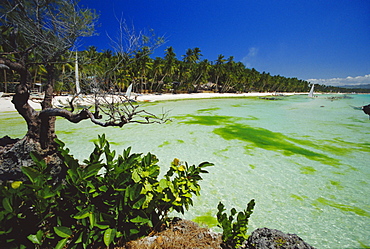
(164, 75)
(107, 200)
(159, 75)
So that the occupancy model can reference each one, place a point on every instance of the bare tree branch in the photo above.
(128, 42)
(70, 116)
(117, 116)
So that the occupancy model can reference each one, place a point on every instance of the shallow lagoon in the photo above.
(305, 161)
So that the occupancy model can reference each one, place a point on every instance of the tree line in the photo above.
(161, 74)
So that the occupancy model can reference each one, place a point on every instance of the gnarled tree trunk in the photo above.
(40, 128)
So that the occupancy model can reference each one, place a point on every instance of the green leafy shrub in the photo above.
(234, 231)
(107, 200)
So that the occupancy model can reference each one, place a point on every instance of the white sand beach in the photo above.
(6, 104)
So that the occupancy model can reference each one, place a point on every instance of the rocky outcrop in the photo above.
(15, 154)
(10, 168)
(180, 235)
(184, 234)
(265, 238)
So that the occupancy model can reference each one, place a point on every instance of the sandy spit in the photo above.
(6, 105)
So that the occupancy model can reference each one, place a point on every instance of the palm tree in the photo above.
(156, 74)
(143, 64)
(219, 69)
(201, 73)
(170, 64)
(190, 59)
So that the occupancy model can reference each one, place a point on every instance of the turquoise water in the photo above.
(305, 161)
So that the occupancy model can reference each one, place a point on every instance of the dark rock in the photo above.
(16, 154)
(5, 141)
(265, 238)
(366, 109)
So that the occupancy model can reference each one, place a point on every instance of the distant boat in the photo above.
(310, 94)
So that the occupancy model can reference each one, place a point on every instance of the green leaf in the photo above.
(46, 193)
(81, 215)
(31, 173)
(59, 142)
(134, 191)
(91, 170)
(139, 203)
(92, 219)
(140, 220)
(205, 164)
(103, 188)
(102, 226)
(148, 199)
(78, 237)
(126, 152)
(135, 176)
(147, 160)
(109, 235)
(38, 160)
(163, 184)
(36, 238)
(134, 231)
(7, 205)
(61, 243)
(63, 232)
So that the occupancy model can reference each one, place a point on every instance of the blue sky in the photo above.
(326, 42)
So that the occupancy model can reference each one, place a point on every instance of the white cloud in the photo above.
(252, 52)
(358, 80)
(247, 60)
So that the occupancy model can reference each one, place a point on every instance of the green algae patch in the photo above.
(345, 145)
(12, 121)
(337, 184)
(252, 118)
(211, 120)
(209, 109)
(207, 220)
(363, 245)
(252, 166)
(165, 143)
(68, 132)
(268, 140)
(342, 207)
(220, 153)
(299, 198)
(332, 146)
(339, 173)
(308, 170)
(206, 120)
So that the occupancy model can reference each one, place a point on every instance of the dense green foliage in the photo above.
(107, 200)
(234, 231)
(167, 74)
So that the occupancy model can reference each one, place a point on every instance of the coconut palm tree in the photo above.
(219, 69)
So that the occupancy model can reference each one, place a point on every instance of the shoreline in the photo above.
(184, 96)
(7, 106)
